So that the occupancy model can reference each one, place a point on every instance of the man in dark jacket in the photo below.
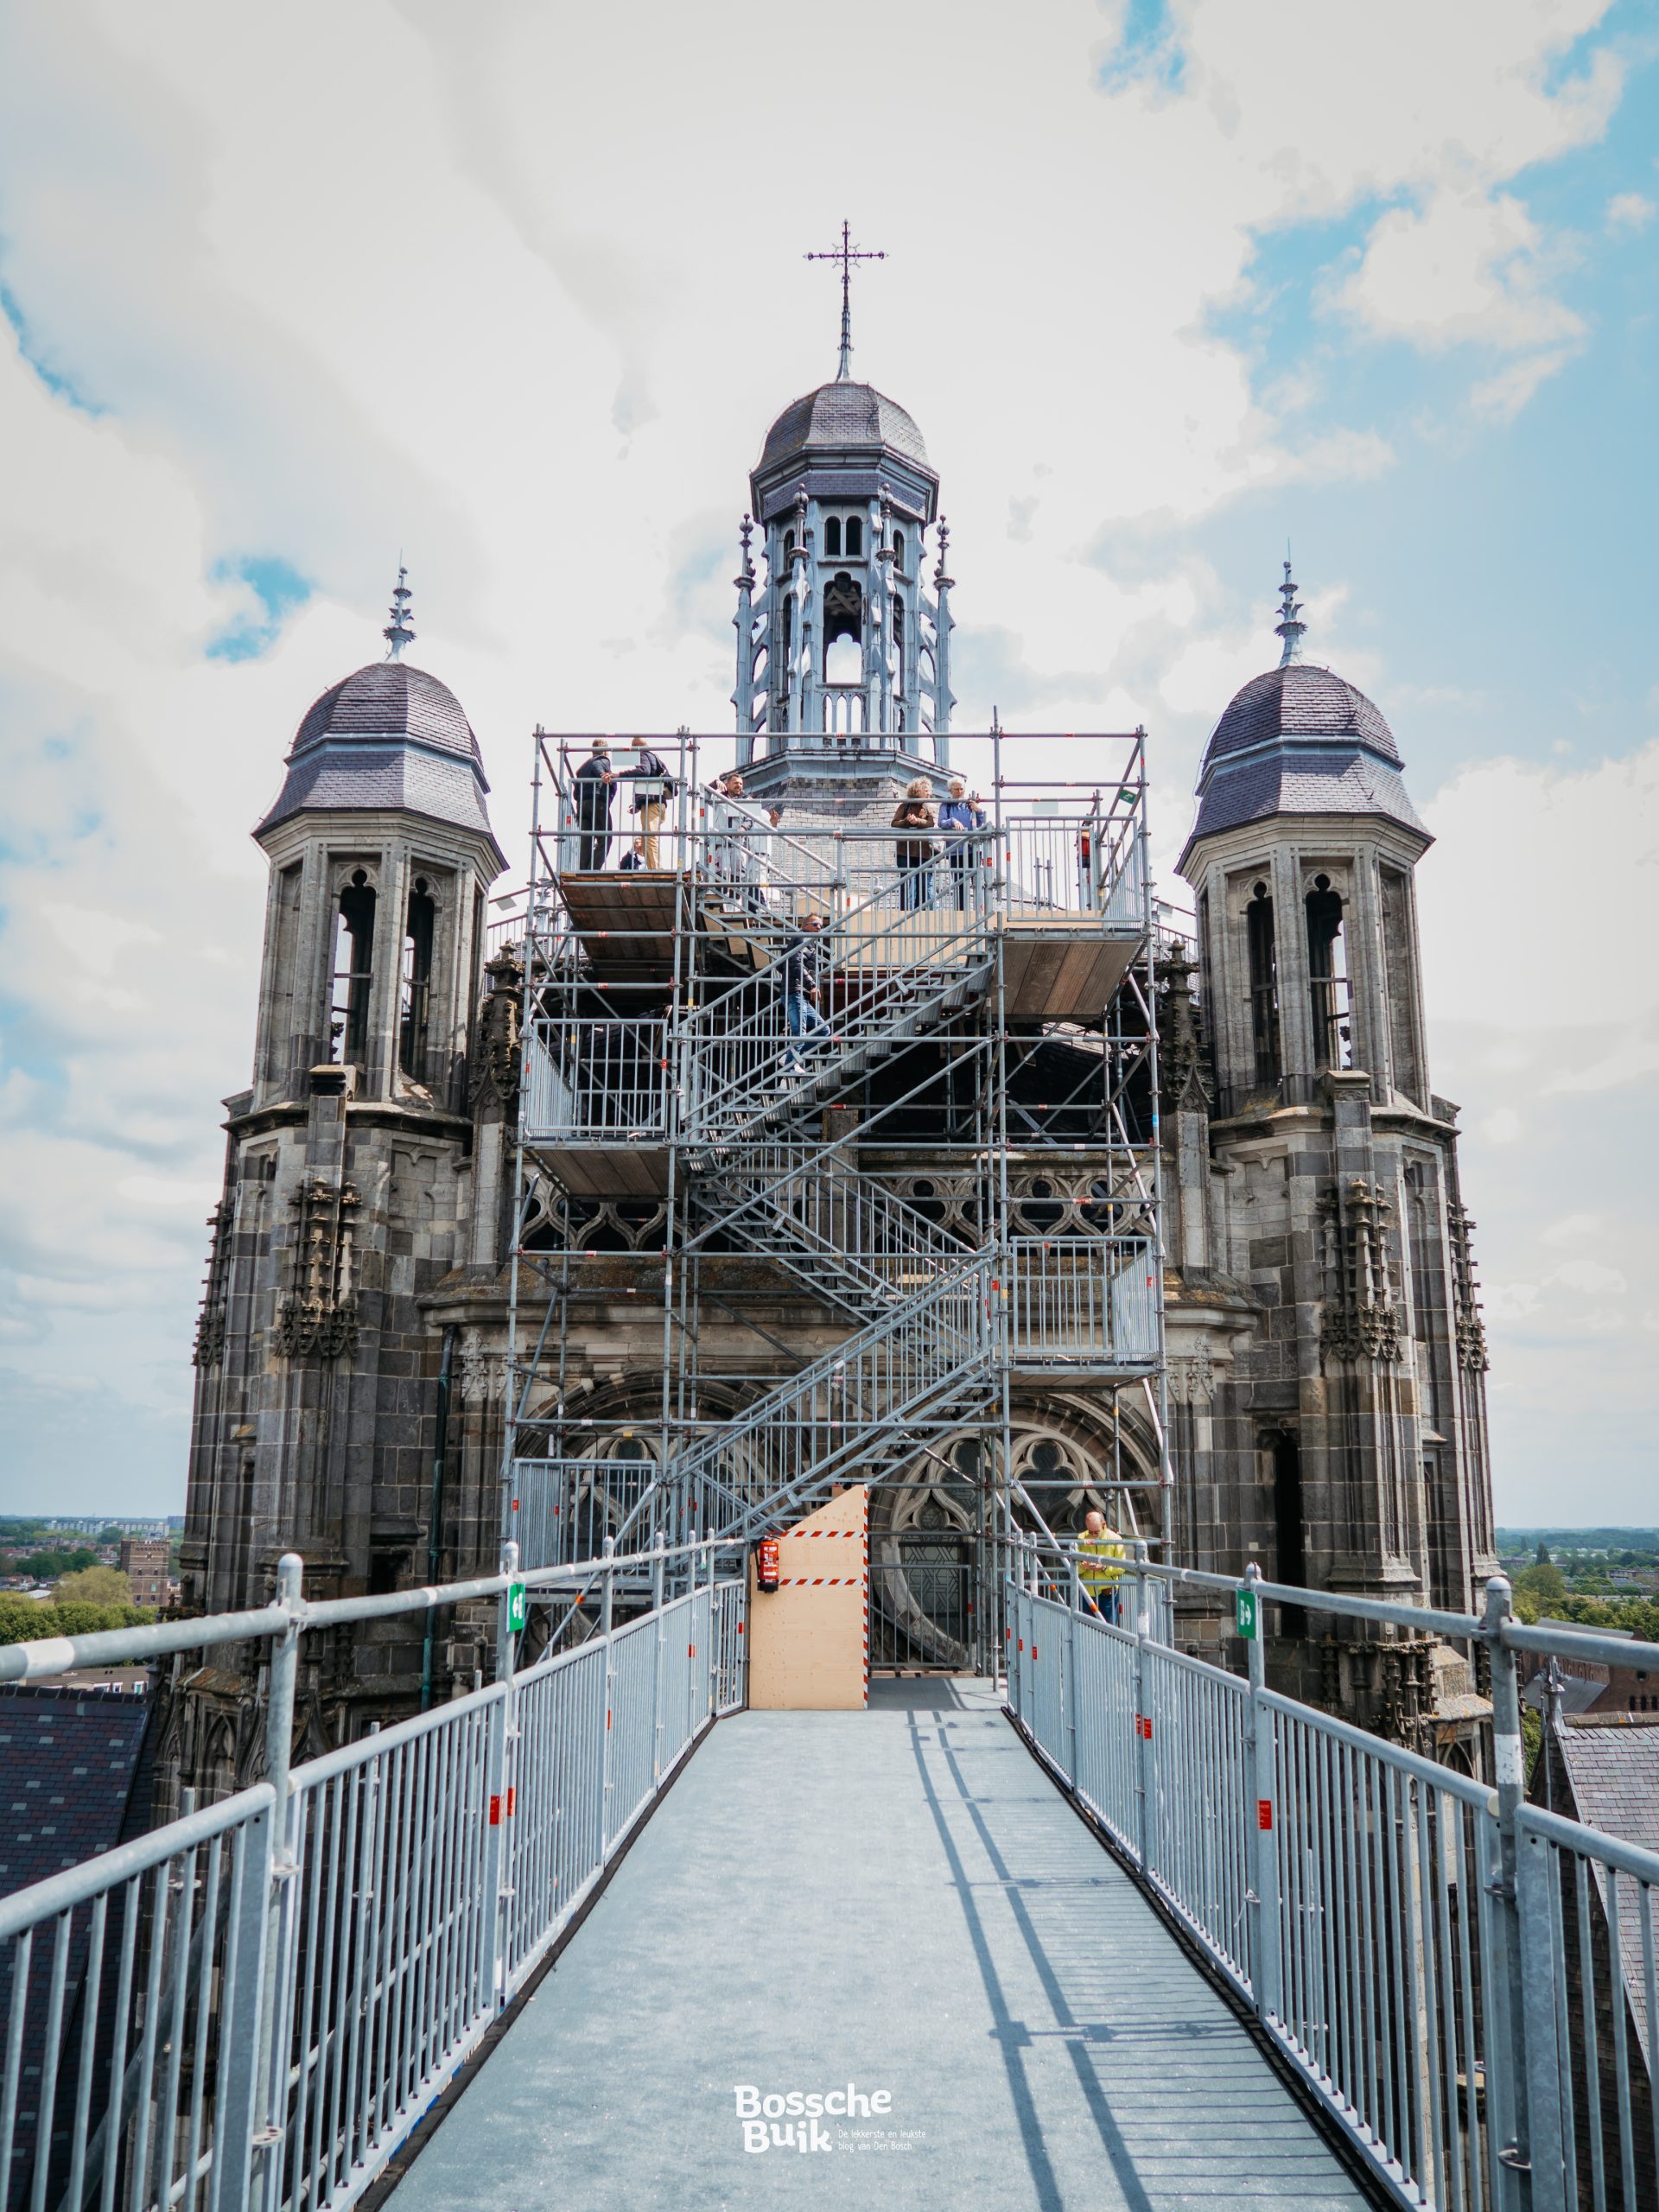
(594, 780)
(803, 981)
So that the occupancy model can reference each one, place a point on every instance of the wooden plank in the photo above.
(809, 1639)
(1058, 972)
(591, 1172)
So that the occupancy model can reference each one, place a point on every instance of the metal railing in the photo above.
(1466, 1981)
(1083, 1302)
(254, 2004)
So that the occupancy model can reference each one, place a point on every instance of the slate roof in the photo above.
(67, 1763)
(1301, 701)
(1612, 1764)
(1578, 1694)
(388, 699)
(838, 416)
(1299, 739)
(387, 736)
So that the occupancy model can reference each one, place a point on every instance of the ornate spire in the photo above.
(1288, 627)
(845, 253)
(400, 631)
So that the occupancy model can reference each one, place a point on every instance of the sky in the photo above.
(513, 291)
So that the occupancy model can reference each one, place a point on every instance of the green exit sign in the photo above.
(1246, 1612)
(517, 1606)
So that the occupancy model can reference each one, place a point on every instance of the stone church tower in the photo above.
(443, 1287)
(349, 1191)
(1327, 1361)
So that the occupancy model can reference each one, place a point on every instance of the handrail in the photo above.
(1510, 1634)
(258, 2000)
(1448, 1968)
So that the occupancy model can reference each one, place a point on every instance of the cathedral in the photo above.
(623, 1215)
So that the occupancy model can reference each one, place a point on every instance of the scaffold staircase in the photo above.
(659, 1062)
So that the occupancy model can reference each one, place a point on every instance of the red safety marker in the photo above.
(495, 1810)
(1264, 1813)
(512, 1801)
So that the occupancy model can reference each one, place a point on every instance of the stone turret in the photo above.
(350, 1168)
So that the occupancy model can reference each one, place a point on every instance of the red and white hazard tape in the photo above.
(818, 1581)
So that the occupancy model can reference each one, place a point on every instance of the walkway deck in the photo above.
(900, 1900)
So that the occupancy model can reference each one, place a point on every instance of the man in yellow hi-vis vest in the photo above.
(1100, 1557)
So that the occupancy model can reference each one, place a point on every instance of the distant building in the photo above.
(144, 1562)
(1589, 1687)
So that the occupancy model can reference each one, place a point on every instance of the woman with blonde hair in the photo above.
(914, 853)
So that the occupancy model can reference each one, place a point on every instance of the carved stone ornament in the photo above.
(1361, 1319)
(1181, 1074)
(1471, 1331)
(210, 1326)
(498, 1061)
(317, 1318)
(481, 1375)
(1192, 1378)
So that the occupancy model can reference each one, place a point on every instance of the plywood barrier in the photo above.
(810, 1638)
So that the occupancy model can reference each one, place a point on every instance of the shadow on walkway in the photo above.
(900, 1901)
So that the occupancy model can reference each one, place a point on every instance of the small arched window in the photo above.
(789, 544)
(1264, 984)
(843, 631)
(832, 536)
(417, 981)
(353, 971)
(899, 551)
(854, 538)
(1328, 970)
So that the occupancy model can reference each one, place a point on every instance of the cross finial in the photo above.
(845, 253)
(1288, 627)
(400, 631)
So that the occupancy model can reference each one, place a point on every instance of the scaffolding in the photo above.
(766, 1046)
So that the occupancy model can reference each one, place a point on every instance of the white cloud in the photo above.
(337, 287)
(1590, 1276)
(1630, 211)
(1574, 1228)
(1466, 266)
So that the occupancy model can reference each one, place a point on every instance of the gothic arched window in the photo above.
(854, 538)
(832, 536)
(353, 971)
(417, 980)
(1264, 984)
(1328, 969)
(843, 630)
(899, 551)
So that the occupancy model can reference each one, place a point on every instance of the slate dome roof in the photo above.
(388, 699)
(1298, 740)
(388, 739)
(1301, 701)
(838, 416)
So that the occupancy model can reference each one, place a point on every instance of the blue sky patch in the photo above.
(33, 351)
(1147, 49)
(279, 587)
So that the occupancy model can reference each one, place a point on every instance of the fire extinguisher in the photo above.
(766, 1564)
